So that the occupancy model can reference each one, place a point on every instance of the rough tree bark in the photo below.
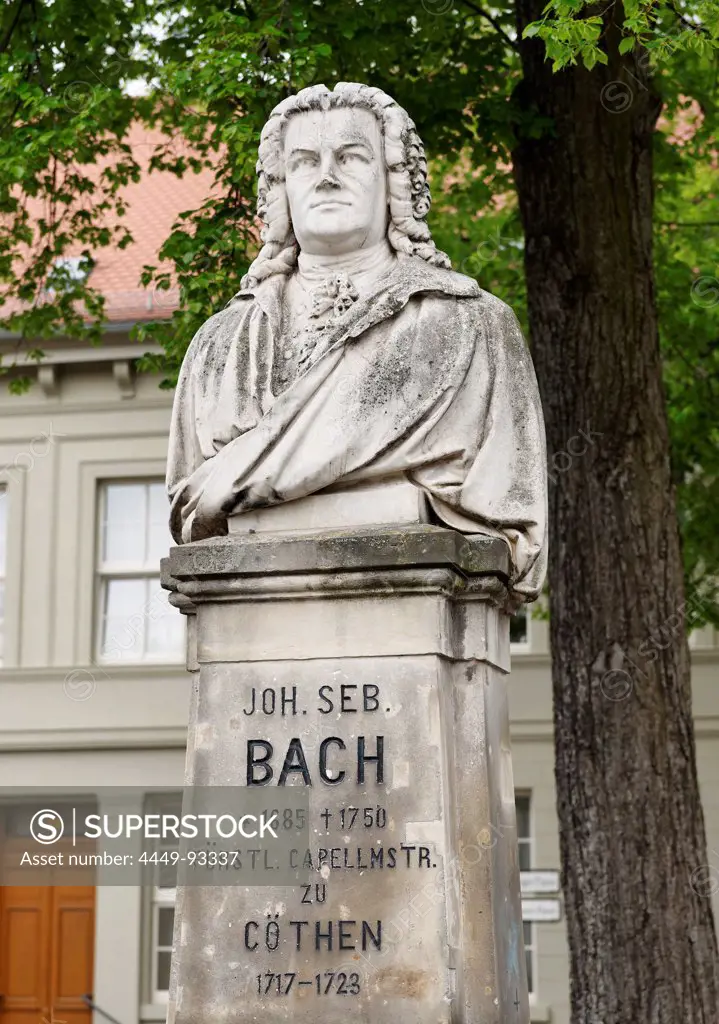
(633, 844)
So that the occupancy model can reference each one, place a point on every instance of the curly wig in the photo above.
(407, 187)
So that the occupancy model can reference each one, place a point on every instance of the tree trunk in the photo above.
(635, 872)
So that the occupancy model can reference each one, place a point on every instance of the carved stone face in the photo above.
(336, 180)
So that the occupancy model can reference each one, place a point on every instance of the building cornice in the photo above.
(111, 327)
(154, 738)
(60, 356)
(527, 659)
(110, 671)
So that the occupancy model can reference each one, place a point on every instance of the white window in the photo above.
(519, 629)
(163, 922)
(523, 803)
(3, 550)
(162, 911)
(136, 622)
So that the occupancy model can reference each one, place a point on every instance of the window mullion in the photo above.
(145, 614)
(146, 550)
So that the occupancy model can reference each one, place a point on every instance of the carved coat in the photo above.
(429, 378)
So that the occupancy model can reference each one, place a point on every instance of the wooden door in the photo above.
(25, 927)
(46, 953)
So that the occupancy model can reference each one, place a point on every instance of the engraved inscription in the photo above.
(262, 762)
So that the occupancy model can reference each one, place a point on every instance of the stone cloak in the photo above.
(428, 379)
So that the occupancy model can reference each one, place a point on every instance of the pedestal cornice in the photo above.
(362, 561)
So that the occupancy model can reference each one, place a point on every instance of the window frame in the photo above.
(162, 899)
(4, 499)
(524, 646)
(157, 898)
(13, 482)
(528, 842)
(103, 572)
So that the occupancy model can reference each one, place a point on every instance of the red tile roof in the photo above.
(153, 204)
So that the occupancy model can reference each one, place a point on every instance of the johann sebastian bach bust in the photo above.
(354, 356)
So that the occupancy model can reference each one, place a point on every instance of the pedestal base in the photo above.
(370, 668)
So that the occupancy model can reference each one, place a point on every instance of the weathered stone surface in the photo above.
(418, 674)
(355, 359)
(390, 502)
(333, 551)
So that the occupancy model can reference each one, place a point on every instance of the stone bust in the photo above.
(353, 355)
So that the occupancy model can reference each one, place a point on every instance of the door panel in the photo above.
(73, 940)
(25, 915)
(46, 953)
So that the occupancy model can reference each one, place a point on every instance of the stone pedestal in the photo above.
(369, 664)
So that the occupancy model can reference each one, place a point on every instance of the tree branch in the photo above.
(492, 21)
(699, 29)
(8, 35)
